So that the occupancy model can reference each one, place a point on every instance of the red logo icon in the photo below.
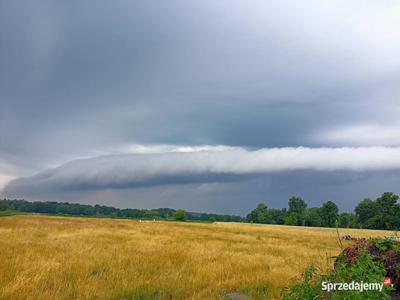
(387, 281)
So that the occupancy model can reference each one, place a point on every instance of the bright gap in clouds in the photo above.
(4, 180)
(365, 135)
(147, 149)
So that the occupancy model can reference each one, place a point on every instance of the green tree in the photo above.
(260, 215)
(180, 215)
(382, 213)
(298, 206)
(396, 224)
(347, 220)
(277, 215)
(329, 214)
(386, 206)
(367, 212)
(152, 214)
(291, 219)
(313, 217)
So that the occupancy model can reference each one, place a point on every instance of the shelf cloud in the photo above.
(200, 166)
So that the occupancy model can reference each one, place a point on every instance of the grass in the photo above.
(44, 257)
(4, 213)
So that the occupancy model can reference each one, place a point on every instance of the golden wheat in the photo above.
(43, 257)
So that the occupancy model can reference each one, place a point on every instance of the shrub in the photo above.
(363, 267)
(384, 251)
(180, 215)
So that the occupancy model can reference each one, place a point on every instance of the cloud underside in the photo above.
(138, 170)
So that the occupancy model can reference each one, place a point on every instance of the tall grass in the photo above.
(43, 257)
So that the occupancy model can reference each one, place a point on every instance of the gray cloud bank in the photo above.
(138, 170)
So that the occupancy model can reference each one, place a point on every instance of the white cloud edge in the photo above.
(211, 162)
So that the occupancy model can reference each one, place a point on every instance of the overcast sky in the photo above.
(201, 105)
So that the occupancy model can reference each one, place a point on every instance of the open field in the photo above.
(43, 257)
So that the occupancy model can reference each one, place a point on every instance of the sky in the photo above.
(205, 105)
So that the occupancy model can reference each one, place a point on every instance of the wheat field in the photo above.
(46, 257)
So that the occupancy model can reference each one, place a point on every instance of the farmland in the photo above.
(46, 257)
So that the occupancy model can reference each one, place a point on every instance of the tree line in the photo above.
(380, 213)
(76, 209)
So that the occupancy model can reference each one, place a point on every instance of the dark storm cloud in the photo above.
(240, 197)
(82, 79)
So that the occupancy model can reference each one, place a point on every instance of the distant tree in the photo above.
(386, 206)
(313, 217)
(259, 215)
(291, 219)
(382, 213)
(180, 215)
(4, 205)
(329, 214)
(347, 220)
(152, 214)
(396, 223)
(277, 215)
(132, 213)
(367, 213)
(105, 210)
(45, 207)
(298, 206)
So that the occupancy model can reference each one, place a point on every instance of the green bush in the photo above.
(180, 215)
(364, 270)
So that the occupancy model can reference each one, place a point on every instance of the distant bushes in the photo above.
(75, 209)
(381, 213)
